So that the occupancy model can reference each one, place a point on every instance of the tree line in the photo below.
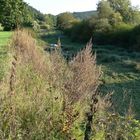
(17, 13)
(14, 13)
(116, 22)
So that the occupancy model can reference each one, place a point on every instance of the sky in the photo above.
(58, 6)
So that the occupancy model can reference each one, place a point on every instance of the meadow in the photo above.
(4, 53)
(66, 94)
(4, 37)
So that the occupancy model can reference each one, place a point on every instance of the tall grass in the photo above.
(47, 98)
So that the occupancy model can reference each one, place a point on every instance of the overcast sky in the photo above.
(59, 6)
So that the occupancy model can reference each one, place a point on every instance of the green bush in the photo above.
(36, 26)
(135, 38)
(81, 32)
(104, 33)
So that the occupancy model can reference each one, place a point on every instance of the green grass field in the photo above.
(121, 71)
(4, 38)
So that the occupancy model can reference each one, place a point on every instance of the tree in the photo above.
(135, 14)
(36, 26)
(123, 7)
(104, 9)
(50, 20)
(102, 25)
(13, 13)
(65, 20)
(115, 18)
(37, 15)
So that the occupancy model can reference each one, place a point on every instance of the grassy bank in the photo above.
(4, 53)
(4, 37)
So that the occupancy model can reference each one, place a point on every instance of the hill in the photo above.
(85, 15)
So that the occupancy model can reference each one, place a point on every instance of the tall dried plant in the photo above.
(86, 74)
(26, 48)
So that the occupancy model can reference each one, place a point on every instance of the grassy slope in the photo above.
(119, 71)
(4, 37)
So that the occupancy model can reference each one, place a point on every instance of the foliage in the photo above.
(117, 35)
(115, 23)
(115, 19)
(104, 9)
(13, 14)
(134, 39)
(50, 20)
(37, 15)
(36, 26)
(65, 20)
(102, 25)
(126, 10)
(81, 31)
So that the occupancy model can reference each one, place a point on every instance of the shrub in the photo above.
(65, 21)
(81, 31)
(36, 26)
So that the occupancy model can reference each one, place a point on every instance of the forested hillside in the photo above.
(85, 15)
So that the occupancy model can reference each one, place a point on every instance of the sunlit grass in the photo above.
(4, 40)
(4, 37)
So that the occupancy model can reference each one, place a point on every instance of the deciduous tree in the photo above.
(13, 13)
(104, 9)
(64, 20)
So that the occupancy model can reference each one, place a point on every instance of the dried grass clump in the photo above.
(25, 48)
(86, 74)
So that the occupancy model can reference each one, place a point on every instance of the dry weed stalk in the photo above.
(86, 74)
(82, 84)
(25, 46)
(11, 95)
